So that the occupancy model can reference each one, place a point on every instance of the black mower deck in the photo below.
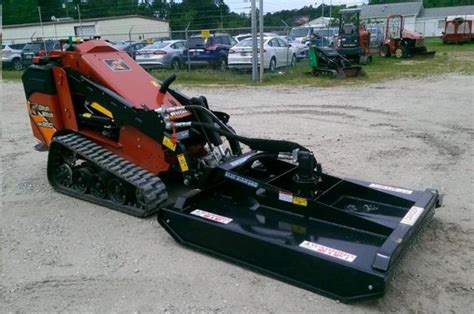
(344, 244)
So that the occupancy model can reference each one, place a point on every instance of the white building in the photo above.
(320, 22)
(378, 13)
(429, 22)
(132, 27)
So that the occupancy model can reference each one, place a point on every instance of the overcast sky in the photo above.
(277, 5)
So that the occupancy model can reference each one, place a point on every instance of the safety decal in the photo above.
(182, 163)
(175, 115)
(169, 143)
(42, 115)
(211, 216)
(389, 188)
(328, 251)
(290, 198)
(285, 196)
(102, 109)
(117, 65)
(240, 179)
(40, 110)
(300, 201)
(45, 124)
(412, 216)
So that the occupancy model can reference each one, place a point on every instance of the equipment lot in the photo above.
(63, 254)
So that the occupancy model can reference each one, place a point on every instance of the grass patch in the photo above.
(11, 75)
(448, 59)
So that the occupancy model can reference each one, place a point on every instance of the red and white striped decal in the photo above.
(328, 251)
(211, 216)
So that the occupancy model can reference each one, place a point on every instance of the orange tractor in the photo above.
(120, 138)
(401, 42)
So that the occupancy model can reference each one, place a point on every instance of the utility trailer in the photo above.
(458, 29)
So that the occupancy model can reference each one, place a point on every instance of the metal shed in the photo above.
(132, 27)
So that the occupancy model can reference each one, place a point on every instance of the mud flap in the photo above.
(343, 244)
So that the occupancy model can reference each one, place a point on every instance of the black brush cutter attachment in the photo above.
(338, 237)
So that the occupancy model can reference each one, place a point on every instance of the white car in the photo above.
(277, 53)
(241, 37)
(301, 50)
(11, 56)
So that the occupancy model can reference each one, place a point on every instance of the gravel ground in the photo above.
(63, 254)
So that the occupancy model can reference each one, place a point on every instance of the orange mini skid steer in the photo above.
(119, 138)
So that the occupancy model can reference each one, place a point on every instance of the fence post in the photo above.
(254, 41)
(287, 39)
(261, 41)
(130, 34)
(186, 34)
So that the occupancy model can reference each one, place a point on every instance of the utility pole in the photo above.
(80, 21)
(330, 10)
(254, 40)
(42, 29)
(260, 8)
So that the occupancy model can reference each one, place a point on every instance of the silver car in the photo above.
(11, 56)
(165, 54)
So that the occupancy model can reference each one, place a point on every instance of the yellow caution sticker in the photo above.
(169, 143)
(300, 201)
(102, 110)
(182, 163)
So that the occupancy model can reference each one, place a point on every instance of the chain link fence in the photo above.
(429, 28)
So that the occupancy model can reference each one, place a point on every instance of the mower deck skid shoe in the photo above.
(344, 243)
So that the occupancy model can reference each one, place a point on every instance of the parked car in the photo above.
(37, 48)
(328, 35)
(241, 37)
(300, 49)
(130, 48)
(153, 40)
(11, 56)
(166, 54)
(301, 34)
(277, 53)
(376, 36)
(212, 50)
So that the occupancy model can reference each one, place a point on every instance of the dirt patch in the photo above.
(63, 254)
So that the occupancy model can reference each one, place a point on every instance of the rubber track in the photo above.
(154, 191)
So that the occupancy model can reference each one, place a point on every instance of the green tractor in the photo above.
(327, 61)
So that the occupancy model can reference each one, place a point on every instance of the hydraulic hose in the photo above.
(271, 146)
(274, 146)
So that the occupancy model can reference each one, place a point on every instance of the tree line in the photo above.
(199, 14)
